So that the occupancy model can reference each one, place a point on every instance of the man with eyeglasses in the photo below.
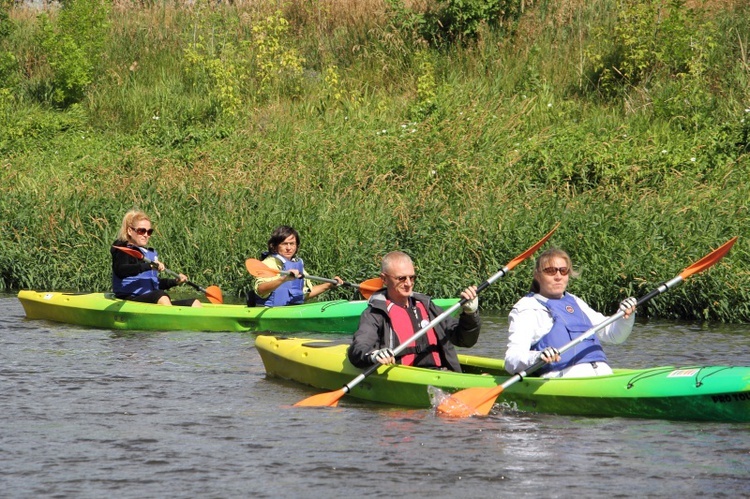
(549, 317)
(396, 313)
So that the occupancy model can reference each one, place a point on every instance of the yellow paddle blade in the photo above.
(523, 256)
(476, 401)
(214, 295)
(260, 269)
(329, 399)
(709, 259)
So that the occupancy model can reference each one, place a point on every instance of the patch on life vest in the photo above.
(424, 323)
(682, 373)
(569, 309)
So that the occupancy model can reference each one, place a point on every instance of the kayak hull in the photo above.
(103, 310)
(696, 393)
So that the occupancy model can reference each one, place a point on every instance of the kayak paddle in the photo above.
(213, 293)
(260, 269)
(478, 401)
(331, 399)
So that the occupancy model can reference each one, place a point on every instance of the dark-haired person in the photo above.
(132, 278)
(287, 289)
(549, 317)
(395, 314)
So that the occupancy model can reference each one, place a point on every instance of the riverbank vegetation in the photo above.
(459, 132)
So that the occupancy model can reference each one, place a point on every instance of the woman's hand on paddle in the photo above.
(339, 282)
(628, 306)
(292, 275)
(550, 355)
(181, 278)
(158, 266)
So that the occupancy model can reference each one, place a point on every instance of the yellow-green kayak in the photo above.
(103, 310)
(703, 393)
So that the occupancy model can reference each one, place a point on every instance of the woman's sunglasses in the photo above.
(555, 270)
(142, 232)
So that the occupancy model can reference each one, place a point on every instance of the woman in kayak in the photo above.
(134, 279)
(395, 314)
(285, 289)
(549, 317)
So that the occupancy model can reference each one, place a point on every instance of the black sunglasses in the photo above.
(142, 232)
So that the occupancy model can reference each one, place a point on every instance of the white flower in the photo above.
(692, 159)
(664, 151)
(549, 104)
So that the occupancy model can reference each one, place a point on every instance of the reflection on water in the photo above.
(91, 413)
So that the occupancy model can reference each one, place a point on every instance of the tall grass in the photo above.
(461, 155)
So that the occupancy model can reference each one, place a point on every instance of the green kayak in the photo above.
(102, 310)
(703, 393)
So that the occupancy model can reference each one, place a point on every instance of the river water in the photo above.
(95, 413)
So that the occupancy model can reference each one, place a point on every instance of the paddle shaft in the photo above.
(321, 279)
(365, 288)
(434, 322)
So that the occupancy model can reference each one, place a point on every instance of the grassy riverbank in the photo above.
(350, 122)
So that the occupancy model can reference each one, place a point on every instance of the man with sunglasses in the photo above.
(549, 317)
(396, 313)
(134, 279)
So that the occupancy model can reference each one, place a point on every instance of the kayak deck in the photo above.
(103, 310)
(703, 393)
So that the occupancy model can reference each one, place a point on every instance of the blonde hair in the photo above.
(129, 220)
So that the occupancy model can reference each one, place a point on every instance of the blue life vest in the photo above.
(569, 323)
(290, 292)
(139, 284)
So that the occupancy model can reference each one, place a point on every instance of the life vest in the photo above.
(139, 284)
(569, 323)
(290, 292)
(404, 324)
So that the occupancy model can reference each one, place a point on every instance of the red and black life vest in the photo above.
(424, 352)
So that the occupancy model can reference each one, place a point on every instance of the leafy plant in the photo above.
(73, 44)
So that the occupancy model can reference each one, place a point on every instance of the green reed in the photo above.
(365, 154)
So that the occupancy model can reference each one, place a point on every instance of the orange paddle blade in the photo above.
(709, 259)
(368, 287)
(214, 295)
(329, 399)
(130, 251)
(523, 256)
(476, 401)
(260, 269)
